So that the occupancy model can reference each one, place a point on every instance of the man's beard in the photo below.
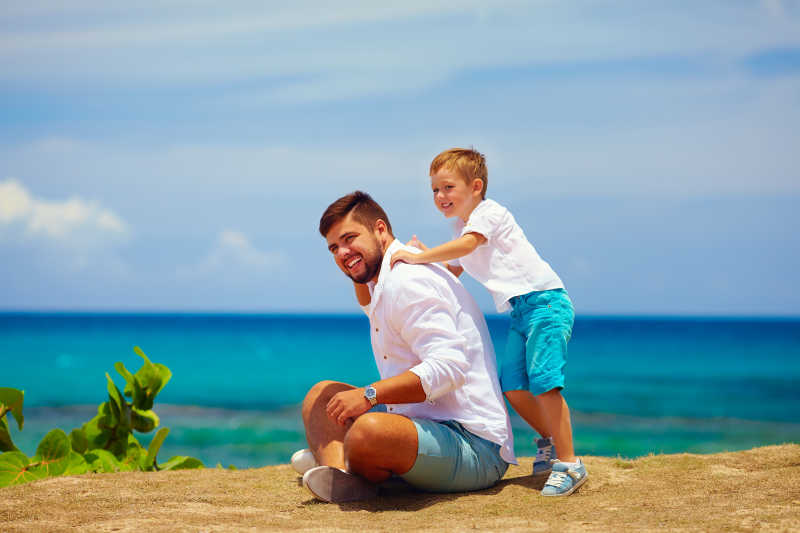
(372, 264)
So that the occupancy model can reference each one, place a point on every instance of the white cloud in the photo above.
(234, 259)
(71, 222)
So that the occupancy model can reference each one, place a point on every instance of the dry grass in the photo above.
(752, 490)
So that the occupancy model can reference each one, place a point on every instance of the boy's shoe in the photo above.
(303, 461)
(545, 456)
(565, 479)
(332, 485)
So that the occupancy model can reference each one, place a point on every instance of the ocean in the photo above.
(635, 385)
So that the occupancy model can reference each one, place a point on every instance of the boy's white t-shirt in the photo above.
(507, 264)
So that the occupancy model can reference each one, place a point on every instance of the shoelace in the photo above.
(544, 454)
(557, 479)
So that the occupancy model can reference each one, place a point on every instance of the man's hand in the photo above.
(405, 256)
(347, 405)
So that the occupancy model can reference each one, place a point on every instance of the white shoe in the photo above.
(303, 461)
(337, 486)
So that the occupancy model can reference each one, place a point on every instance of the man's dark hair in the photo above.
(365, 211)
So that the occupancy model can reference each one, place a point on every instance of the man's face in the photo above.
(356, 250)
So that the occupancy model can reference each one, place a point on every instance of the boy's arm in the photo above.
(444, 252)
(362, 293)
(455, 270)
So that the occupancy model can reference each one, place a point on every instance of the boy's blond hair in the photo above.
(467, 161)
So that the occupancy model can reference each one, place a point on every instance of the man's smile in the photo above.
(353, 261)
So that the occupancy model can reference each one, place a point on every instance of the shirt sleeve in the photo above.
(484, 219)
(425, 318)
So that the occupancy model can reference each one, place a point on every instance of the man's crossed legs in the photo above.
(433, 456)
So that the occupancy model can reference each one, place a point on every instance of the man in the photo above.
(443, 425)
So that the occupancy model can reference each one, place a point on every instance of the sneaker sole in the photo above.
(335, 486)
(575, 487)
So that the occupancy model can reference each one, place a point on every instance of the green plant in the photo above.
(105, 443)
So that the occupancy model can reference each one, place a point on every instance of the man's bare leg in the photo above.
(379, 445)
(375, 446)
(325, 437)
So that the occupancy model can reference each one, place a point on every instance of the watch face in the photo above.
(371, 394)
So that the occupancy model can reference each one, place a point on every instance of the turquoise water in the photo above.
(634, 385)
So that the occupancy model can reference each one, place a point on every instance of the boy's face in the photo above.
(356, 249)
(453, 196)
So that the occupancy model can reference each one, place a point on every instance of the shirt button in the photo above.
(391, 408)
(385, 357)
(376, 329)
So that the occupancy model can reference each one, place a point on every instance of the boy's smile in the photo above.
(452, 195)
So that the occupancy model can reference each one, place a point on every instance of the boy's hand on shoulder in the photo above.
(403, 256)
(416, 243)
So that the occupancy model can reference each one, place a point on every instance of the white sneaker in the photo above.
(303, 461)
(337, 486)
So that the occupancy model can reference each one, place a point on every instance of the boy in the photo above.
(492, 248)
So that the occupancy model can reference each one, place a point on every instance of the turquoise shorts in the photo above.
(451, 459)
(536, 352)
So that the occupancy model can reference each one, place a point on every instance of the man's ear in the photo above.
(379, 227)
(381, 231)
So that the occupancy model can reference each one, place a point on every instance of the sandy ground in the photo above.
(753, 490)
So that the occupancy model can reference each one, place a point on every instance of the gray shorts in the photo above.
(451, 459)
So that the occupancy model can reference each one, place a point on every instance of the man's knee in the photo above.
(364, 434)
(318, 396)
(363, 447)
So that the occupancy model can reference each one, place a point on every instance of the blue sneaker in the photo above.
(565, 479)
(545, 455)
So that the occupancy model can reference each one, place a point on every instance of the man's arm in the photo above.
(349, 404)
(362, 293)
(424, 311)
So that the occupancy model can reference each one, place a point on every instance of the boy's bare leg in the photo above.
(556, 411)
(375, 446)
(527, 406)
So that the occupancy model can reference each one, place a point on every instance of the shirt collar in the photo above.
(376, 288)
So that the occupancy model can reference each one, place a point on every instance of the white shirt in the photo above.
(507, 264)
(422, 319)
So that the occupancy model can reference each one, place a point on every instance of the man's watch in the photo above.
(371, 395)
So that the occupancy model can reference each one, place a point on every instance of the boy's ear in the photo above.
(477, 185)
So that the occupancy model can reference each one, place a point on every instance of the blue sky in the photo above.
(177, 156)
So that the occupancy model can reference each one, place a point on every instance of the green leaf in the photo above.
(6, 444)
(118, 404)
(12, 400)
(133, 459)
(16, 468)
(152, 450)
(181, 462)
(76, 464)
(97, 432)
(143, 421)
(78, 440)
(152, 377)
(102, 461)
(132, 389)
(53, 453)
